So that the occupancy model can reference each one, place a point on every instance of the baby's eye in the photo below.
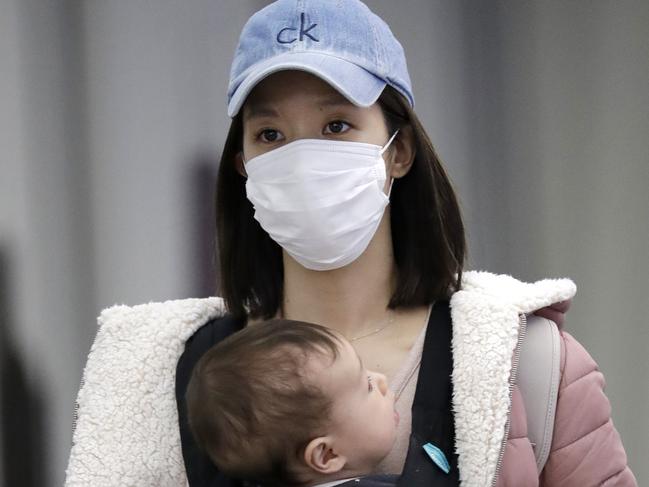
(370, 386)
(336, 127)
(270, 135)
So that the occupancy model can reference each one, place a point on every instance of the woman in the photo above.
(323, 140)
(333, 208)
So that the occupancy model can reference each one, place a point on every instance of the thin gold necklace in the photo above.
(388, 322)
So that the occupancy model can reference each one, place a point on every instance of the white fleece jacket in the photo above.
(126, 431)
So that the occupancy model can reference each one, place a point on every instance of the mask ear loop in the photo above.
(385, 147)
(390, 188)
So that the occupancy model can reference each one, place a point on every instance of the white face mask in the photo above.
(320, 200)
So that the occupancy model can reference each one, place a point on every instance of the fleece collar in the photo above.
(127, 422)
(486, 315)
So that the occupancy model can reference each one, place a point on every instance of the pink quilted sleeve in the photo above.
(586, 448)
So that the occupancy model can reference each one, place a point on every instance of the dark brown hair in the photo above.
(427, 229)
(251, 404)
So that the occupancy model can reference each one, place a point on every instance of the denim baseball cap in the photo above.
(340, 41)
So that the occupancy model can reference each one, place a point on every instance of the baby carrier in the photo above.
(126, 421)
(432, 419)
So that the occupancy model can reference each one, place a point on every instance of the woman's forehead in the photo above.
(291, 87)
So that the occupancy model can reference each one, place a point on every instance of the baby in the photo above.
(288, 403)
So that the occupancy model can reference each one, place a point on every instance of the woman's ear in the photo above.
(403, 153)
(240, 165)
(321, 456)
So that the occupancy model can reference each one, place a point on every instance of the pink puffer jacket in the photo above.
(489, 323)
(586, 448)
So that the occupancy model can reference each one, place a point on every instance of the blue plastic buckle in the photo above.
(438, 457)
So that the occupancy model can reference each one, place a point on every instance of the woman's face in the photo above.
(292, 105)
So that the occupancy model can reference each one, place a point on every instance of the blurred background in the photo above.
(112, 118)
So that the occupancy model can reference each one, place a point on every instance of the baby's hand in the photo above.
(555, 312)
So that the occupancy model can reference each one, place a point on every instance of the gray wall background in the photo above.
(112, 114)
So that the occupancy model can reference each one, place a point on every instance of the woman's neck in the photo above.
(351, 299)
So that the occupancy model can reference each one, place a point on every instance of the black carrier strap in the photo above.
(372, 481)
(432, 416)
(200, 470)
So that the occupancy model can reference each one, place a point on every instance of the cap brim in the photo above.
(356, 84)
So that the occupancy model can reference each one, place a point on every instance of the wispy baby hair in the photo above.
(250, 404)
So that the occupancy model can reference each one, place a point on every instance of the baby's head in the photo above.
(290, 403)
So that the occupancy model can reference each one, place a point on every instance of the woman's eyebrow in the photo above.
(333, 101)
(256, 111)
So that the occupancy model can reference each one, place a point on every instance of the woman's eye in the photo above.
(270, 135)
(370, 386)
(336, 127)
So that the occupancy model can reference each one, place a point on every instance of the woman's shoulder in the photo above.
(508, 289)
(170, 319)
(498, 299)
(585, 439)
(576, 361)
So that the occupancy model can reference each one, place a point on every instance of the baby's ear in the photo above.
(321, 456)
